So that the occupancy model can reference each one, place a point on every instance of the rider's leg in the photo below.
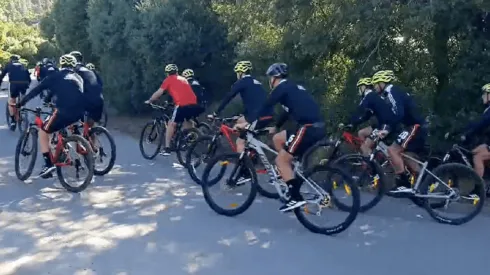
(367, 146)
(365, 132)
(240, 143)
(52, 124)
(481, 154)
(279, 140)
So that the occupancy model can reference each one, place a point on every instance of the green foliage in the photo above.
(439, 49)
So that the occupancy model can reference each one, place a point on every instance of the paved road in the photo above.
(147, 217)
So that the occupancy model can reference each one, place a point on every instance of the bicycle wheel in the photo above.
(185, 139)
(75, 155)
(153, 132)
(456, 176)
(319, 153)
(323, 200)
(198, 154)
(23, 123)
(100, 152)
(369, 177)
(204, 128)
(104, 119)
(26, 146)
(231, 183)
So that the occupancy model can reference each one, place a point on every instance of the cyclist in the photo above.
(481, 153)
(364, 86)
(90, 66)
(184, 98)
(411, 137)
(198, 90)
(19, 79)
(253, 97)
(78, 55)
(37, 71)
(92, 90)
(67, 86)
(301, 107)
(46, 69)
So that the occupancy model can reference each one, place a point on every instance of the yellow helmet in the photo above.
(188, 73)
(486, 88)
(243, 67)
(364, 81)
(68, 60)
(171, 68)
(383, 76)
(91, 66)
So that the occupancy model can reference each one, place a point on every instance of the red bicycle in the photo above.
(205, 147)
(62, 153)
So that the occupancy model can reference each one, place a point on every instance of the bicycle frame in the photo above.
(227, 132)
(258, 146)
(382, 147)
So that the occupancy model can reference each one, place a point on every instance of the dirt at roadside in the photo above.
(130, 125)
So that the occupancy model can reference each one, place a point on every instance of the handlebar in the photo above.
(38, 111)
(159, 107)
(228, 119)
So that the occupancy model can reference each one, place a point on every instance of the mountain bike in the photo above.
(154, 132)
(91, 134)
(319, 197)
(429, 178)
(61, 152)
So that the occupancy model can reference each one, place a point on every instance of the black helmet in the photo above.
(78, 55)
(47, 61)
(278, 70)
(14, 57)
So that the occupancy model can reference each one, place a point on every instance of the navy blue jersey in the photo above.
(18, 74)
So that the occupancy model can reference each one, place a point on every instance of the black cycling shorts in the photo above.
(58, 121)
(17, 89)
(182, 113)
(263, 122)
(305, 136)
(412, 138)
(94, 112)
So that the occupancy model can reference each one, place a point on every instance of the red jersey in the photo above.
(179, 89)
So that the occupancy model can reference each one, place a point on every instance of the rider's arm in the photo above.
(4, 72)
(44, 85)
(478, 126)
(156, 95)
(235, 89)
(363, 112)
(274, 98)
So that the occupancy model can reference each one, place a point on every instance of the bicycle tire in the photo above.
(23, 123)
(253, 191)
(377, 170)
(88, 158)
(7, 114)
(103, 131)
(184, 142)
(353, 211)
(191, 168)
(105, 117)
(204, 128)
(160, 138)
(20, 144)
(451, 168)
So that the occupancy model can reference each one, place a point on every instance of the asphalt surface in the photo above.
(148, 217)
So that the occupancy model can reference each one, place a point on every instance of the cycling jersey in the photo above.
(67, 86)
(46, 70)
(296, 102)
(477, 127)
(373, 104)
(92, 90)
(18, 74)
(179, 89)
(198, 91)
(403, 105)
(253, 97)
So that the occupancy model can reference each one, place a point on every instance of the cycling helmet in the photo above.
(68, 60)
(188, 73)
(364, 81)
(243, 67)
(278, 70)
(171, 68)
(14, 57)
(383, 76)
(78, 55)
(486, 88)
(91, 66)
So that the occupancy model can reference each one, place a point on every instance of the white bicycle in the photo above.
(318, 197)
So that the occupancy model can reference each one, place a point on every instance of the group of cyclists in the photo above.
(75, 88)
(397, 118)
